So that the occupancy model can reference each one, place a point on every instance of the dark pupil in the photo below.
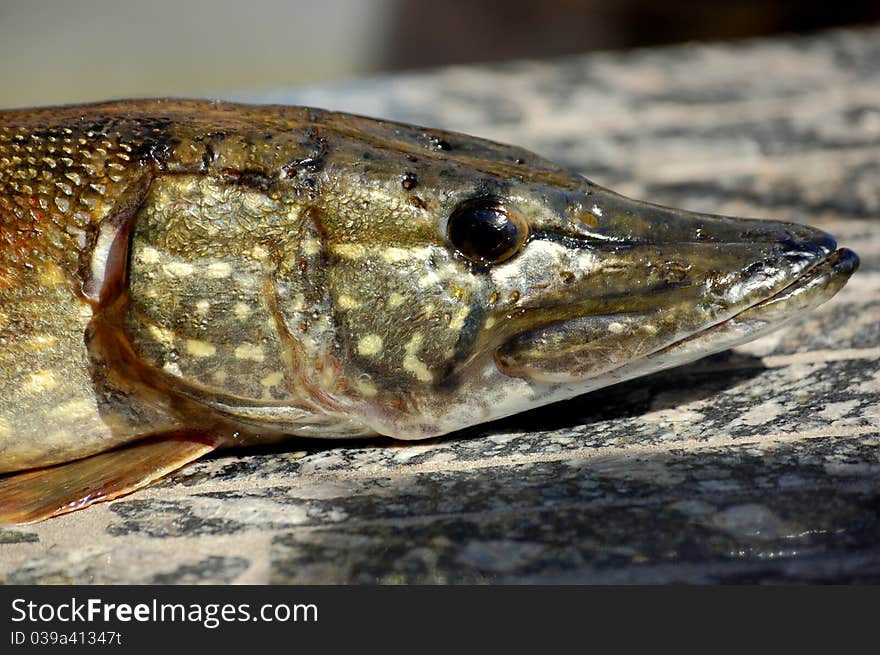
(482, 231)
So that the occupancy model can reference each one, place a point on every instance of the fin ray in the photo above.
(35, 495)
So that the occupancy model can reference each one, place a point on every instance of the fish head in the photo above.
(410, 282)
(469, 280)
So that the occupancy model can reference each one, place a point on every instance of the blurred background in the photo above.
(61, 51)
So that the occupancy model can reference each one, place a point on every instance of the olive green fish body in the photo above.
(255, 272)
(172, 263)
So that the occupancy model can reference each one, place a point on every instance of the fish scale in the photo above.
(180, 276)
(56, 182)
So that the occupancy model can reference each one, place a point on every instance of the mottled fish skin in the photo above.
(255, 272)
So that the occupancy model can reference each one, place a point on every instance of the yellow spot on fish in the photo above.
(430, 279)
(272, 379)
(241, 310)
(347, 302)
(366, 387)
(297, 302)
(42, 342)
(75, 409)
(616, 328)
(490, 322)
(311, 247)
(178, 269)
(349, 250)
(40, 382)
(396, 255)
(51, 275)
(162, 335)
(198, 348)
(219, 270)
(202, 306)
(395, 300)
(148, 255)
(370, 345)
(413, 364)
(259, 252)
(249, 351)
(458, 321)
(327, 377)
(219, 376)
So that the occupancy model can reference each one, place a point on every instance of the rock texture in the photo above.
(756, 465)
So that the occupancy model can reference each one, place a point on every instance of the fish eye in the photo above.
(484, 231)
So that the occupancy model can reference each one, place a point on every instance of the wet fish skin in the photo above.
(255, 272)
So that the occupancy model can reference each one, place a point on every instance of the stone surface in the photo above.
(755, 465)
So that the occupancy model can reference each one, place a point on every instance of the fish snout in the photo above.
(662, 277)
(735, 261)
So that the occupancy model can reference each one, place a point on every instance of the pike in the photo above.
(180, 276)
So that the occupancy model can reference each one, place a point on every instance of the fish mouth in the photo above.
(824, 278)
(813, 287)
(603, 349)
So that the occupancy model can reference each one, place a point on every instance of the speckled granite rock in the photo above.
(757, 465)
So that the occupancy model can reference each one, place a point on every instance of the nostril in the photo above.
(809, 245)
(793, 240)
(810, 241)
(827, 243)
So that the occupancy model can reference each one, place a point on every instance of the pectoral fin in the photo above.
(44, 493)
